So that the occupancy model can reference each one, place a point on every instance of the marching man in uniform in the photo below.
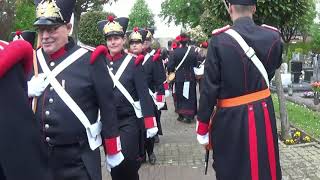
(22, 154)
(241, 61)
(70, 91)
(181, 63)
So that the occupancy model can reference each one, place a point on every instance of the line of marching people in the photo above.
(82, 98)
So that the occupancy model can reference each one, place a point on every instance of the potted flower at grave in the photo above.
(316, 89)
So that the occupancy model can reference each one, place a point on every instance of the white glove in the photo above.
(36, 85)
(152, 132)
(114, 160)
(203, 140)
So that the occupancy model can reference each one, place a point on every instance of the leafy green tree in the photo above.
(185, 12)
(140, 15)
(88, 28)
(315, 34)
(25, 15)
(287, 15)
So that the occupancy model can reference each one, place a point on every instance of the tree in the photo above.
(191, 13)
(6, 18)
(315, 34)
(185, 12)
(25, 15)
(88, 28)
(83, 6)
(140, 15)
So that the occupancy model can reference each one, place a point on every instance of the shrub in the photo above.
(88, 28)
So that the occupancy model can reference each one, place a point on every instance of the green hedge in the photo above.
(88, 28)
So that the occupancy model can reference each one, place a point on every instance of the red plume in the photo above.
(174, 45)
(97, 52)
(110, 18)
(135, 29)
(178, 38)
(18, 33)
(204, 44)
(139, 59)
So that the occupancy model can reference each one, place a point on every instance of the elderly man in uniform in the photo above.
(70, 91)
(241, 61)
(22, 154)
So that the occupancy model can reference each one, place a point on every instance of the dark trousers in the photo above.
(74, 162)
(127, 170)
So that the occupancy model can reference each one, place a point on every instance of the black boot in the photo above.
(180, 118)
(152, 159)
(187, 120)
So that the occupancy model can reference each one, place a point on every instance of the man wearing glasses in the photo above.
(241, 60)
(69, 91)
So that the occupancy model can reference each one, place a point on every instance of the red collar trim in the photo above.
(115, 57)
(58, 54)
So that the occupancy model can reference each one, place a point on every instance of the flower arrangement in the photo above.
(308, 94)
(298, 137)
(316, 86)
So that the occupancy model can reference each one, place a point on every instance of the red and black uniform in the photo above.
(185, 107)
(65, 136)
(244, 133)
(134, 81)
(22, 154)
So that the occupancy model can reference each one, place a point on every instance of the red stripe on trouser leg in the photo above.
(253, 144)
(270, 143)
(112, 145)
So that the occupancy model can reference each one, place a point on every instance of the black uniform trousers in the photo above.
(130, 134)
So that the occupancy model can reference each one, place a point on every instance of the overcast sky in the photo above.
(122, 9)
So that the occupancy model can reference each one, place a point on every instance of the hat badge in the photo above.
(48, 9)
(112, 26)
(135, 35)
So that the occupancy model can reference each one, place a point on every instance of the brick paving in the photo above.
(180, 157)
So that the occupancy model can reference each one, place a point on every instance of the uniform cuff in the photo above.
(160, 98)
(150, 122)
(112, 145)
(202, 128)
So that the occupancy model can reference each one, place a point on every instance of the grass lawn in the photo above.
(301, 117)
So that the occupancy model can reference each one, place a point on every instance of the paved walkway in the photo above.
(181, 158)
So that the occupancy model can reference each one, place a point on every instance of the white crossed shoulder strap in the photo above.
(183, 59)
(92, 130)
(147, 56)
(116, 80)
(249, 51)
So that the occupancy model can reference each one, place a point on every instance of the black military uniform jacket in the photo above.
(155, 73)
(185, 72)
(228, 71)
(134, 80)
(90, 87)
